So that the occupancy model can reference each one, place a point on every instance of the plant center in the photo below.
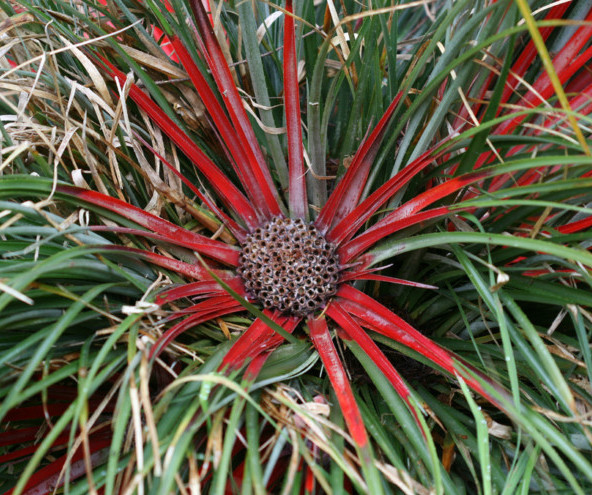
(288, 265)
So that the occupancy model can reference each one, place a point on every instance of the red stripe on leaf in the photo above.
(321, 338)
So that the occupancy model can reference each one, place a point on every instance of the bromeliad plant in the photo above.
(492, 167)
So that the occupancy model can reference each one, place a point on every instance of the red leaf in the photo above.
(47, 479)
(31, 435)
(227, 191)
(337, 313)
(254, 367)
(298, 201)
(349, 189)
(402, 217)
(35, 412)
(380, 319)
(529, 52)
(205, 311)
(22, 435)
(219, 251)
(17, 454)
(463, 117)
(577, 226)
(257, 339)
(347, 227)
(245, 162)
(212, 303)
(187, 269)
(201, 289)
(566, 63)
(367, 275)
(234, 104)
(321, 338)
(581, 103)
(238, 231)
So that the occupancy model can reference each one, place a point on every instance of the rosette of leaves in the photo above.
(295, 248)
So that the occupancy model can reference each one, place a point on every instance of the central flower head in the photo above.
(288, 265)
